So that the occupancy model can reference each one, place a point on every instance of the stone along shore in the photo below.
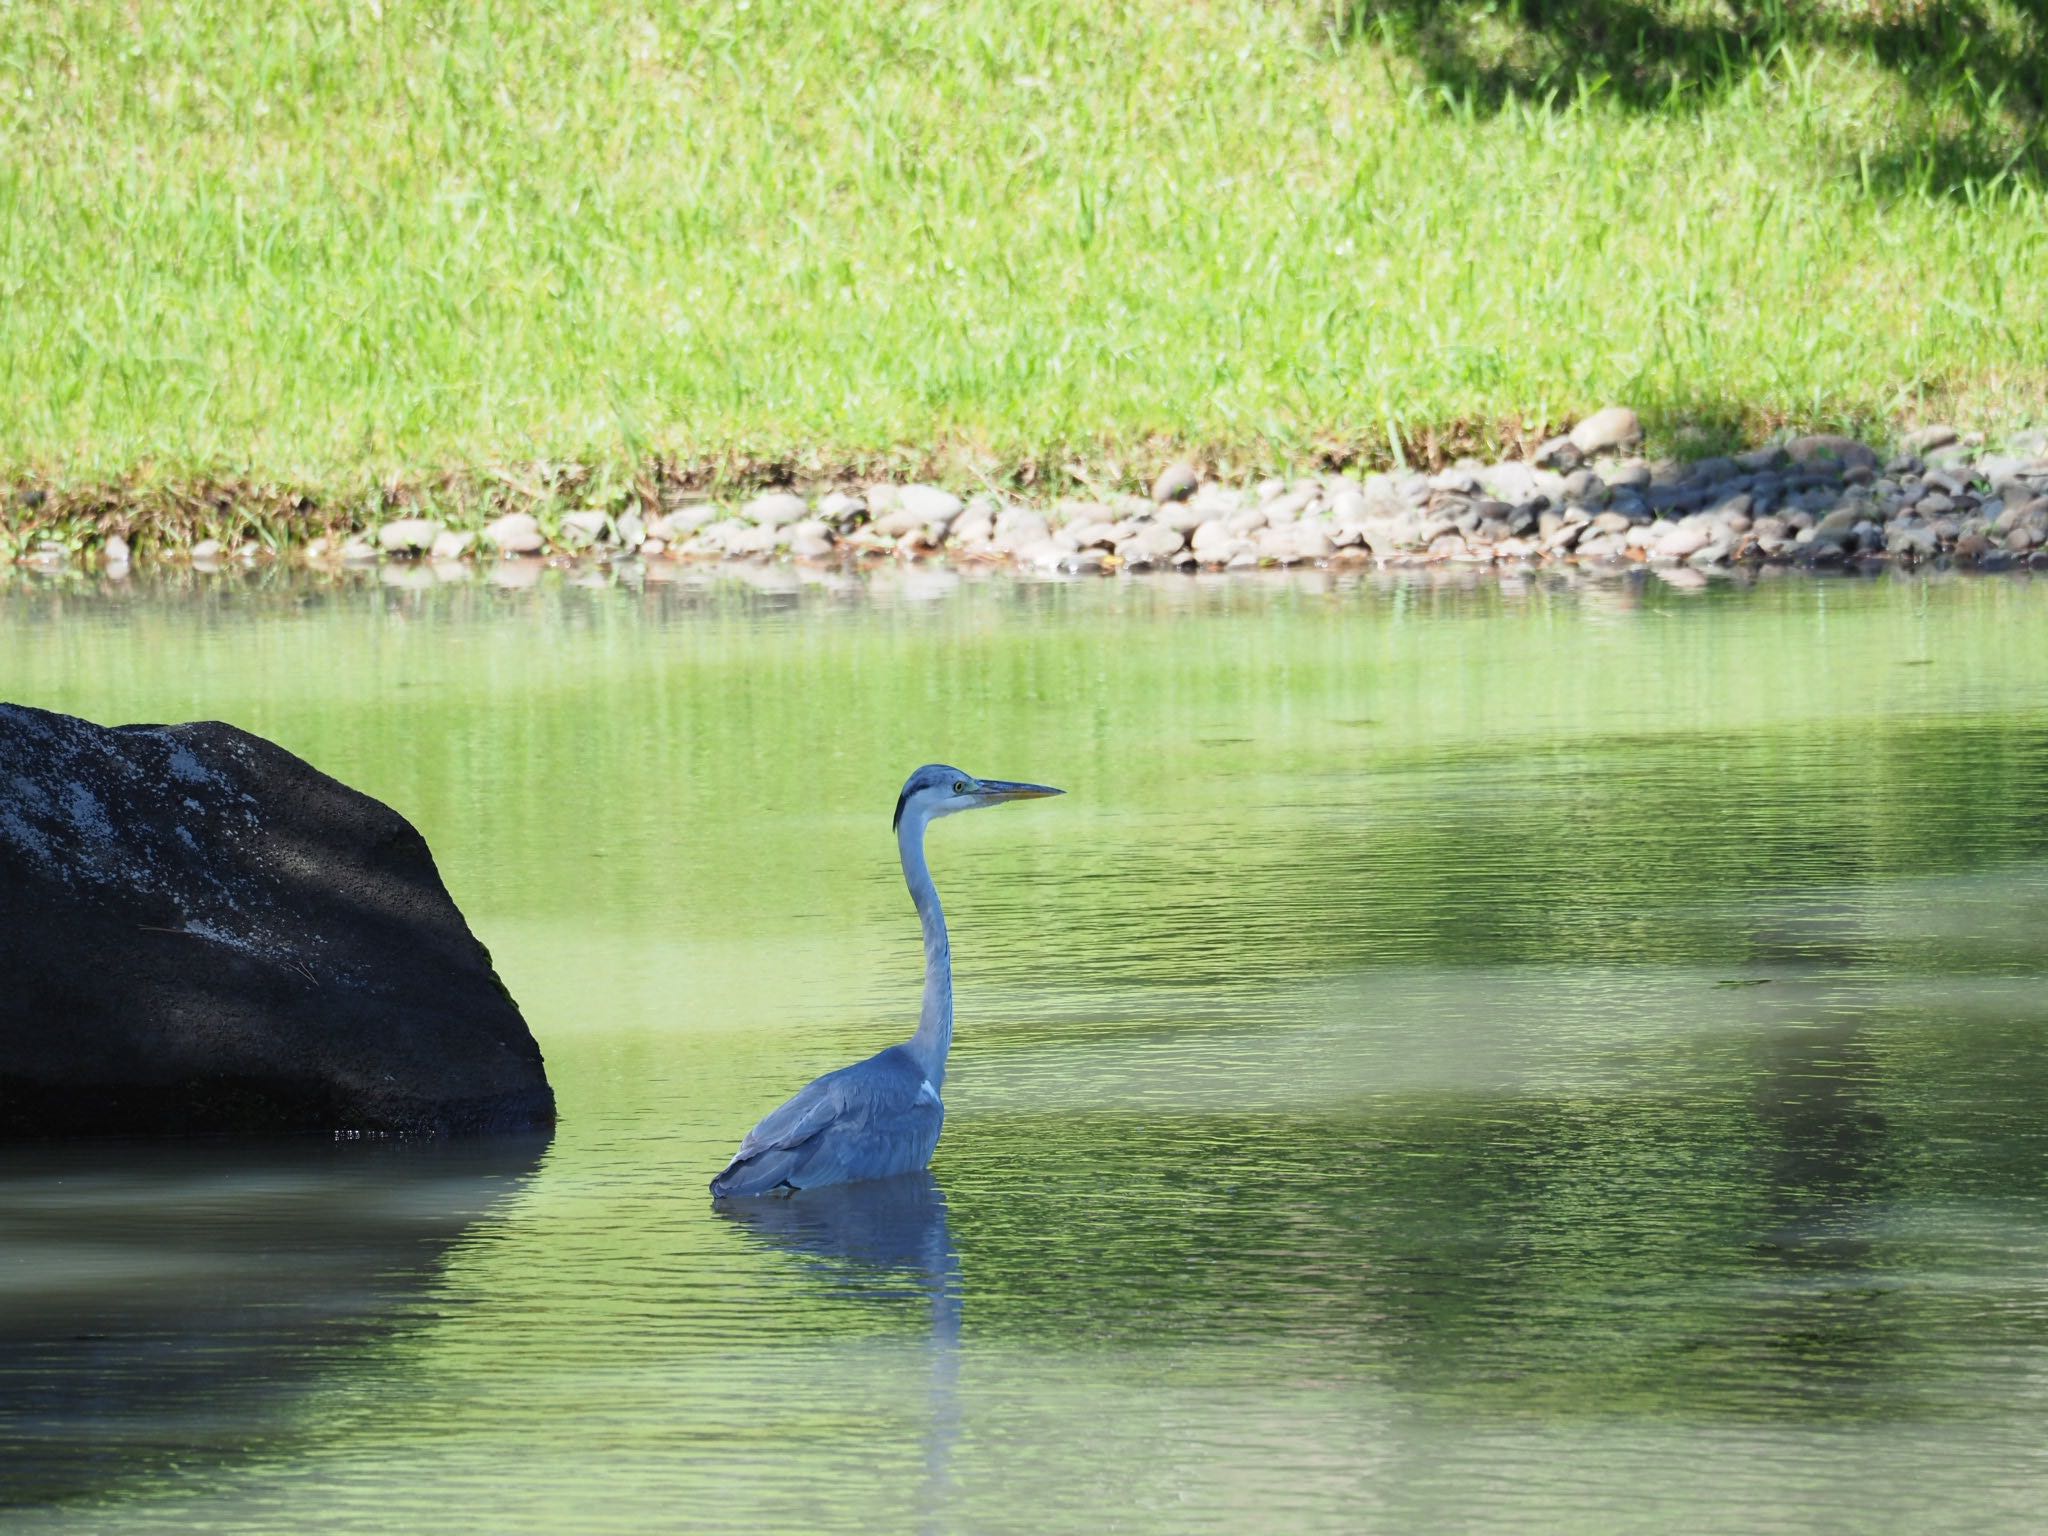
(1585, 499)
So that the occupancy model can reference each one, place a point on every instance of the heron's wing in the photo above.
(878, 1088)
(869, 1147)
(812, 1108)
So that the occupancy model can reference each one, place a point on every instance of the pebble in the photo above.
(1176, 482)
(2001, 468)
(1017, 527)
(1161, 543)
(2016, 513)
(1607, 431)
(1214, 540)
(1042, 554)
(774, 508)
(901, 521)
(586, 527)
(1733, 505)
(1927, 439)
(1277, 545)
(1313, 542)
(1285, 509)
(679, 523)
(1814, 499)
(1820, 447)
(841, 508)
(1584, 488)
(1681, 543)
(929, 504)
(1912, 542)
(516, 533)
(975, 525)
(408, 535)
(811, 539)
(750, 539)
(1509, 482)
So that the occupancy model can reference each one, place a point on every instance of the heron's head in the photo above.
(936, 790)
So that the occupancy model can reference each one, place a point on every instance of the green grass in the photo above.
(327, 245)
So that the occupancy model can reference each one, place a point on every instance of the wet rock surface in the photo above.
(200, 933)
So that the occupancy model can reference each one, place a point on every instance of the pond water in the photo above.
(1535, 1056)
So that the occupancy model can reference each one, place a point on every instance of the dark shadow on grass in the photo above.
(1975, 73)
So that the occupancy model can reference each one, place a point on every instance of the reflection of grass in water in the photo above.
(1573, 750)
(332, 242)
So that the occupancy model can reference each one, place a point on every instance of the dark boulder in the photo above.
(201, 933)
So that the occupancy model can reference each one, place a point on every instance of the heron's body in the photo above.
(871, 1120)
(879, 1117)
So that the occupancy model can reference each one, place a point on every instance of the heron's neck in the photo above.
(934, 1035)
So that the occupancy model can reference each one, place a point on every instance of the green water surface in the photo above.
(1498, 1056)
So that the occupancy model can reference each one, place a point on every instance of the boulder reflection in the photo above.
(160, 1305)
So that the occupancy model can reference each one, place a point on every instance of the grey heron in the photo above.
(881, 1116)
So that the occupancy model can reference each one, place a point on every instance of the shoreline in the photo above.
(1585, 500)
(787, 581)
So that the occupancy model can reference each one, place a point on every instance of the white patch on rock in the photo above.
(30, 792)
(188, 768)
(89, 816)
(24, 836)
(244, 943)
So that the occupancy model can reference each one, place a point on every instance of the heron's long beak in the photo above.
(996, 791)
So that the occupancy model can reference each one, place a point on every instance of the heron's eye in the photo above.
(959, 786)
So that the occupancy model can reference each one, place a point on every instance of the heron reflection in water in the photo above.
(885, 1239)
(882, 1243)
(880, 1117)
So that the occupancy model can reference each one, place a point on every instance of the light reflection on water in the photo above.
(1550, 1059)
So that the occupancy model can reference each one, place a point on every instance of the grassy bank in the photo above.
(335, 246)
